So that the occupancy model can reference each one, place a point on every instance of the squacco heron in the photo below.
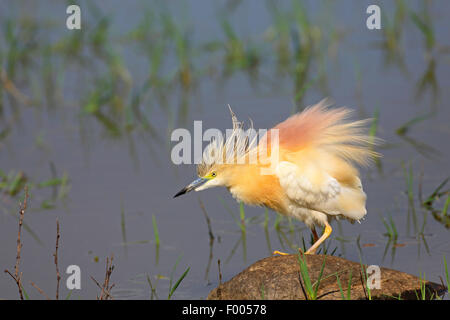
(314, 179)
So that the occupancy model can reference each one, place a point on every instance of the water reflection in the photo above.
(126, 86)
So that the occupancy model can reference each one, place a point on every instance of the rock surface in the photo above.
(279, 278)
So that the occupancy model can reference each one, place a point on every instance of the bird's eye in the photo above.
(213, 174)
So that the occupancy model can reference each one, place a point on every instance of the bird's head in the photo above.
(208, 176)
(215, 169)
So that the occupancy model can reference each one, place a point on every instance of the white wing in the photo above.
(312, 188)
(309, 187)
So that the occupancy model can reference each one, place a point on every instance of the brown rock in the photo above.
(279, 278)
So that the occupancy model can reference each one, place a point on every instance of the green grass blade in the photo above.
(305, 277)
(155, 230)
(317, 283)
(349, 288)
(69, 294)
(50, 183)
(25, 294)
(374, 125)
(122, 223)
(242, 216)
(173, 270)
(435, 193)
(447, 203)
(364, 276)
(178, 282)
(447, 278)
(340, 287)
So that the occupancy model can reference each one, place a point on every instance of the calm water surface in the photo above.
(120, 178)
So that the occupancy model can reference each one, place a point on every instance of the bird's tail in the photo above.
(319, 126)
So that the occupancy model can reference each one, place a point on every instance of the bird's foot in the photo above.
(309, 251)
(299, 249)
(280, 253)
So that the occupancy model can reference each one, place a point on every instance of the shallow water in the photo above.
(118, 182)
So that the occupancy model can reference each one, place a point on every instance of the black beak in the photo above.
(192, 186)
(182, 191)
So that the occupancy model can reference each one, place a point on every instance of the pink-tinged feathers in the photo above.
(328, 130)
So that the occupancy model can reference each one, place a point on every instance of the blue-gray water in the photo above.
(119, 181)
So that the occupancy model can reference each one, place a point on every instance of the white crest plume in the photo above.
(234, 149)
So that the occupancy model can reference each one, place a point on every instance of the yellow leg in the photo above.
(325, 235)
(315, 237)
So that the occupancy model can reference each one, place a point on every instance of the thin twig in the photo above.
(19, 241)
(363, 278)
(420, 184)
(106, 288)
(208, 221)
(58, 277)
(40, 290)
(12, 89)
(17, 274)
(211, 237)
(220, 272)
(101, 288)
(109, 269)
(18, 282)
(219, 288)
(96, 282)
